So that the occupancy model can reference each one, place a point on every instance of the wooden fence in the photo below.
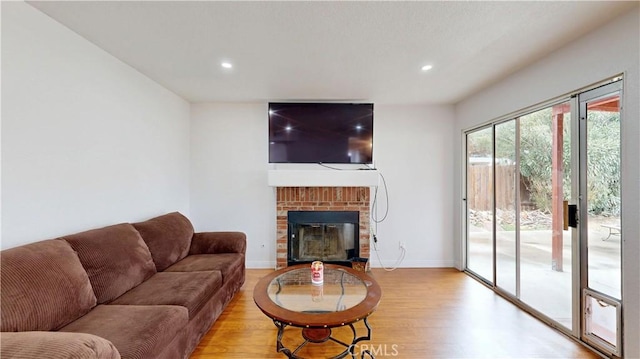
(480, 187)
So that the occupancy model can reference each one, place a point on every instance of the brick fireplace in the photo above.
(320, 199)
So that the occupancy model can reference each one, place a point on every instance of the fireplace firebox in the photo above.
(328, 236)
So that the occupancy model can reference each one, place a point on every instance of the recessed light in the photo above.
(426, 67)
(226, 65)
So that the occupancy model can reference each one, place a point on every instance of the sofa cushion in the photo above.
(115, 258)
(218, 242)
(227, 263)
(44, 287)
(138, 332)
(56, 345)
(168, 238)
(191, 290)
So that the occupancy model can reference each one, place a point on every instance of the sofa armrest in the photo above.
(218, 242)
(55, 345)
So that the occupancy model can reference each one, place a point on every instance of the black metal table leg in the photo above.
(350, 348)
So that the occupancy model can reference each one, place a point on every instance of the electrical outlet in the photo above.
(401, 245)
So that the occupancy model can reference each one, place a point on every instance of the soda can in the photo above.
(317, 273)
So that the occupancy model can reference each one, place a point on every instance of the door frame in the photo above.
(584, 291)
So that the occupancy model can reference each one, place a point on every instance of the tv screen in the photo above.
(320, 132)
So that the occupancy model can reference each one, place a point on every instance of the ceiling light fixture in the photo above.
(226, 65)
(426, 67)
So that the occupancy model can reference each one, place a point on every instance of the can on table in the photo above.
(317, 273)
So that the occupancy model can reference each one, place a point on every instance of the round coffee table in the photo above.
(347, 296)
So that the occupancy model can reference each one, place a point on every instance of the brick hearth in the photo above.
(320, 199)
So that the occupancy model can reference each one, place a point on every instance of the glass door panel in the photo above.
(545, 245)
(603, 195)
(480, 203)
(506, 182)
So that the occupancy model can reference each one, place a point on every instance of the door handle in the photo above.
(565, 217)
(572, 215)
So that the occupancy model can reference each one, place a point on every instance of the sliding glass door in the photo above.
(542, 200)
(545, 244)
(518, 177)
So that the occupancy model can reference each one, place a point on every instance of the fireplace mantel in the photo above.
(323, 178)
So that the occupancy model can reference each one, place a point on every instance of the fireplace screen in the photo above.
(329, 236)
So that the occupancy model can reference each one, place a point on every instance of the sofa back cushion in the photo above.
(44, 287)
(168, 237)
(115, 258)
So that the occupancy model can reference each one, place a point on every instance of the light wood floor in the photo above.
(424, 313)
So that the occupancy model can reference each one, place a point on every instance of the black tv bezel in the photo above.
(371, 104)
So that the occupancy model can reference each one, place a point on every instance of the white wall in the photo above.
(414, 152)
(412, 148)
(229, 191)
(613, 49)
(87, 141)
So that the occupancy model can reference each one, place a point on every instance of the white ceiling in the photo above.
(358, 51)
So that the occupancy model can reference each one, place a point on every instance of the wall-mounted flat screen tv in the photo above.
(320, 132)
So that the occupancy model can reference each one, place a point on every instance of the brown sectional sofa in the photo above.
(143, 290)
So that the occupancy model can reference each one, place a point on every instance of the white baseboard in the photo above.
(261, 264)
(375, 263)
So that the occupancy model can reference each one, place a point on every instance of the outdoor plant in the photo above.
(603, 153)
